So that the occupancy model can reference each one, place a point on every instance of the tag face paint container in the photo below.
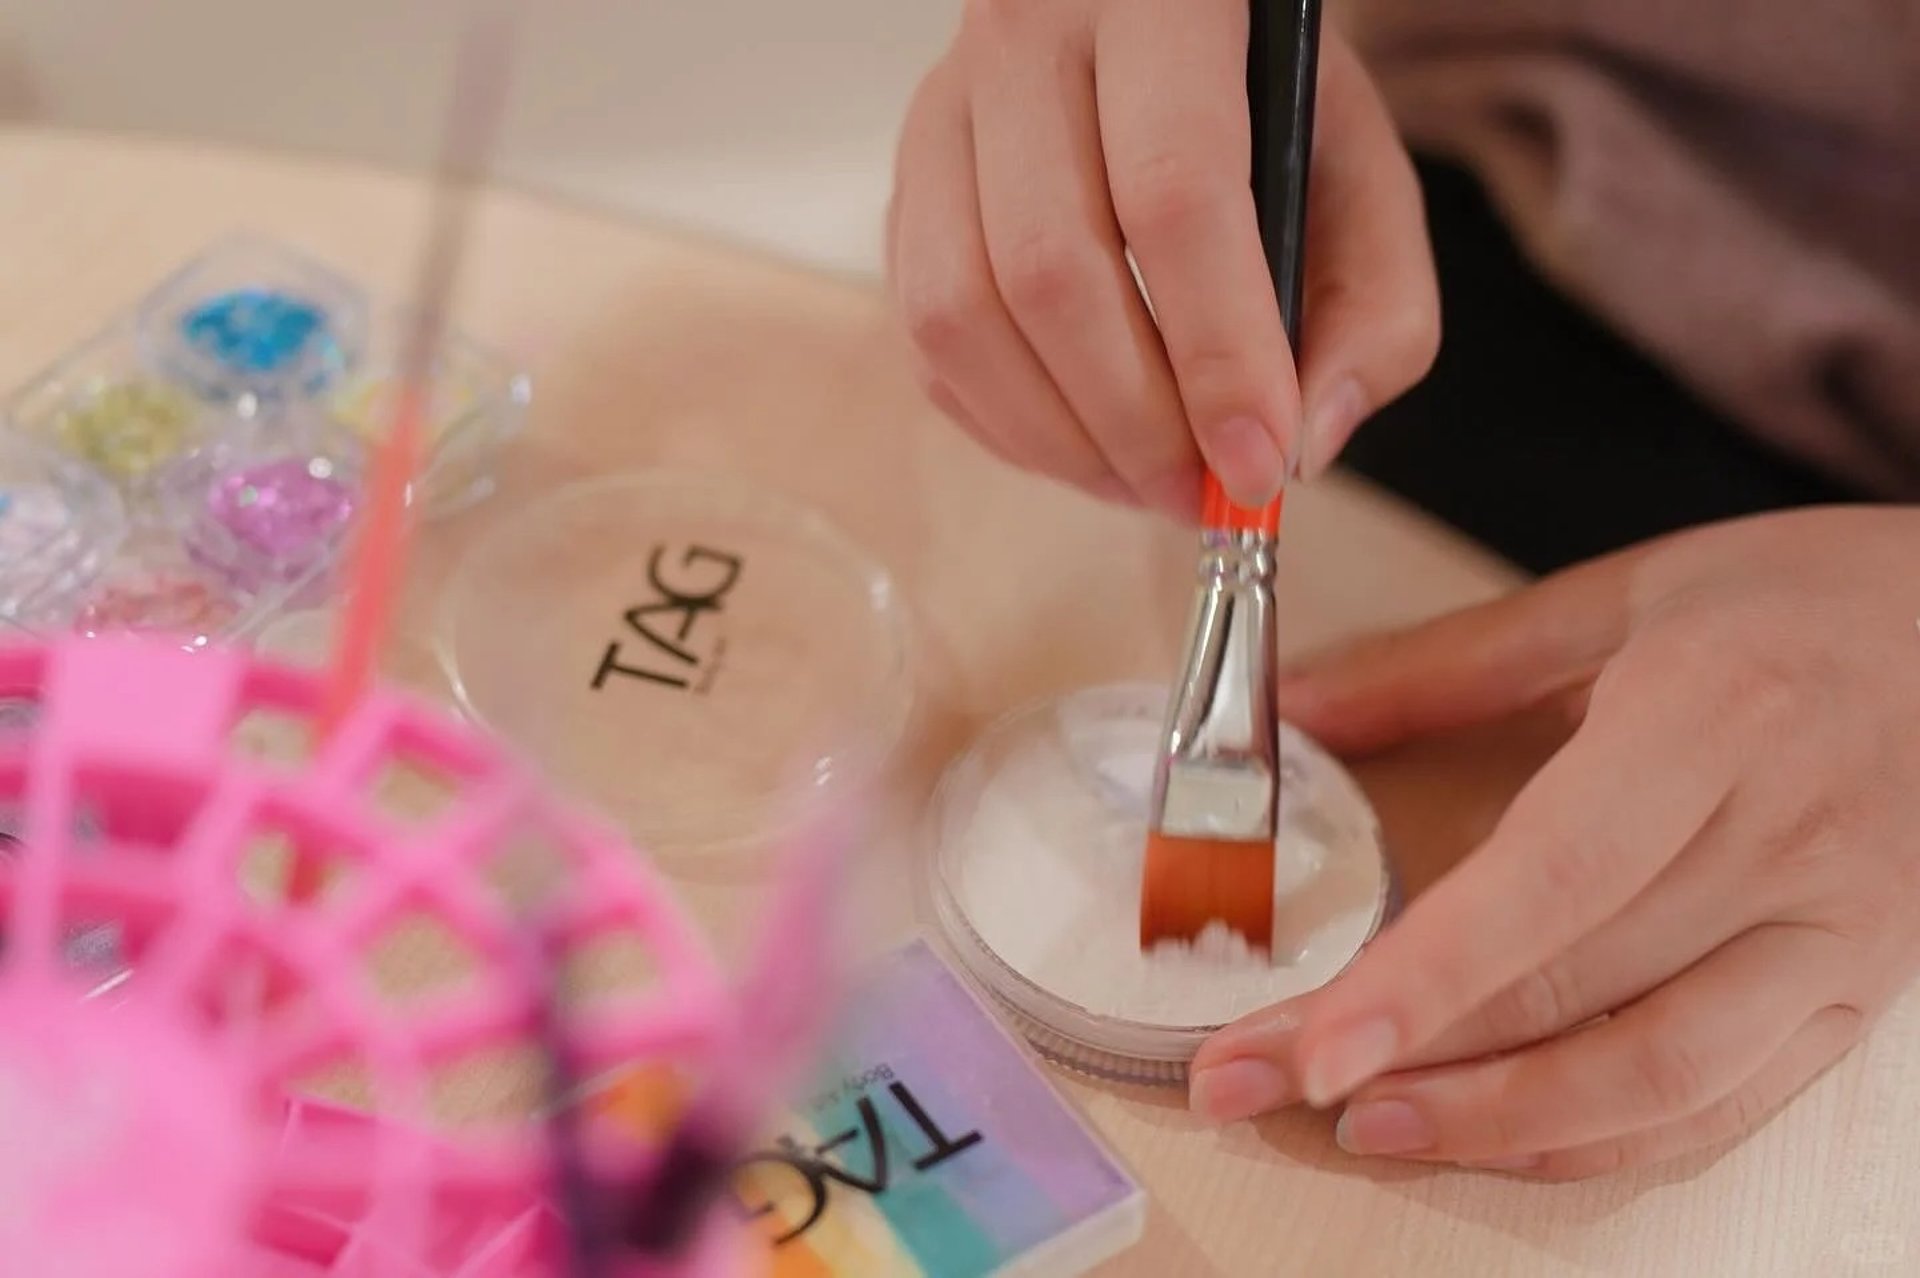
(1037, 836)
(931, 1144)
(698, 657)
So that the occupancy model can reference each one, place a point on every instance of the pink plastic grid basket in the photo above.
(162, 1130)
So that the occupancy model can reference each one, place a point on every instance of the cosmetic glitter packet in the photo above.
(716, 662)
(932, 1146)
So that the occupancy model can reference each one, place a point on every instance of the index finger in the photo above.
(1593, 827)
(1170, 78)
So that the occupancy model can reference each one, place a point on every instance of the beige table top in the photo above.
(649, 349)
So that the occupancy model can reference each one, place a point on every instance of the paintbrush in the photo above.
(783, 1008)
(1216, 794)
(380, 548)
(785, 1005)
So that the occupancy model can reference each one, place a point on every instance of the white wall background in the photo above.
(768, 120)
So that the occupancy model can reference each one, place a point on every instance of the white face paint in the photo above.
(1041, 836)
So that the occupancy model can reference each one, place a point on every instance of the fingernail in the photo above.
(1525, 1163)
(1249, 461)
(1238, 1090)
(1349, 1060)
(1329, 423)
(1383, 1127)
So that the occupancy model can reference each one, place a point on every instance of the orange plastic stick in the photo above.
(380, 551)
(380, 556)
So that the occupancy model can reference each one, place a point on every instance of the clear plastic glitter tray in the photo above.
(60, 524)
(177, 470)
(1037, 835)
(104, 405)
(478, 404)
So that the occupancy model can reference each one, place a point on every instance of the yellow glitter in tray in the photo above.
(129, 428)
(367, 407)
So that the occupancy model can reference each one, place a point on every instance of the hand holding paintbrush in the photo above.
(1210, 854)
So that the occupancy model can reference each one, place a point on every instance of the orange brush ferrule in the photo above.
(1218, 512)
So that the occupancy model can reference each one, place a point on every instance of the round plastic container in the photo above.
(1037, 836)
(698, 657)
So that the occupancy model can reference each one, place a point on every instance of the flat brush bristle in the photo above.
(1188, 883)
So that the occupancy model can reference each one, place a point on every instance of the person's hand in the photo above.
(1697, 905)
(1055, 136)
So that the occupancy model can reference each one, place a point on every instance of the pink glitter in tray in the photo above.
(284, 510)
(274, 522)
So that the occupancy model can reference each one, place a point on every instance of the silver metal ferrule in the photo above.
(1219, 773)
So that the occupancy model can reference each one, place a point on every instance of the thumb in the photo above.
(1463, 668)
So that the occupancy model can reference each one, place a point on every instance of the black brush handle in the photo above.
(1283, 63)
(574, 1194)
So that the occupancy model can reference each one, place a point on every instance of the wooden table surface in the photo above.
(651, 349)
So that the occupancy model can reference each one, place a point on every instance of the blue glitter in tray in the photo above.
(256, 331)
(253, 322)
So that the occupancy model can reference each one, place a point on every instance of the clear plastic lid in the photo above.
(476, 403)
(251, 322)
(60, 524)
(1038, 834)
(698, 657)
